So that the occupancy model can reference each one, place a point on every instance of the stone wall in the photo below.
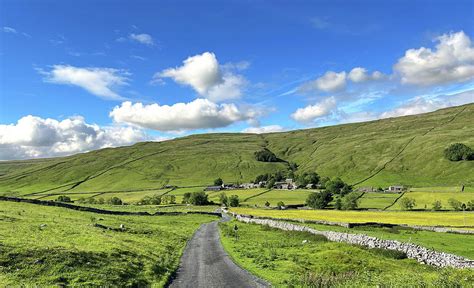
(413, 251)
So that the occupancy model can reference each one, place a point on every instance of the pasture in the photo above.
(424, 200)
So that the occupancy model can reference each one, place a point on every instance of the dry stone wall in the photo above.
(413, 251)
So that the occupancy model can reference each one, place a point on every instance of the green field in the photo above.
(424, 200)
(289, 197)
(405, 150)
(373, 200)
(447, 219)
(281, 258)
(49, 246)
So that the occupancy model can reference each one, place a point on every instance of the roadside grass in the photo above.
(458, 244)
(424, 200)
(50, 246)
(289, 197)
(447, 219)
(282, 258)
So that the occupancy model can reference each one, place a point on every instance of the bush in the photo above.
(437, 205)
(338, 204)
(350, 201)
(456, 204)
(168, 199)
(265, 155)
(470, 205)
(407, 203)
(267, 204)
(234, 201)
(199, 198)
(319, 200)
(63, 198)
(458, 151)
(389, 253)
(186, 197)
(223, 200)
(280, 204)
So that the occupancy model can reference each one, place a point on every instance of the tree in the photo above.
(280, 204)
(199, 198)
(437, 205)
(115, 201)
(267, 204)
(338, 187)
(168, 199)
(265, 155)
(223, 200)
(186, 197)
(218, 182)
(470, 205)
(456, 204)
(407, 203)
(458, 151)
(63, 198)
(350, 201)
(307, 178)
(234, 201)
(338, 204)
(270, 183)
(319, 200)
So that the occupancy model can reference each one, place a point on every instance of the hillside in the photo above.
(405, 150)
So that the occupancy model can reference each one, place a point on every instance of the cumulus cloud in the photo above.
(451, 61)
(198, 114)
(311, 113)
(360, 74)
(33, 137)
(142, 38)
(207, 77)
(101, 82)
(331, 81)
(264, 129)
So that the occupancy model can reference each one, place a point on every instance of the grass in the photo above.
(458, 244)
(448, 219)
(274, 196)
(242, 193)
(405, 150)
(284, 260)
(49, 246)
(374, 200)
(424, 200)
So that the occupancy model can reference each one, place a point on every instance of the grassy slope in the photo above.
(69, 250)
(406, 150)
(281, 258)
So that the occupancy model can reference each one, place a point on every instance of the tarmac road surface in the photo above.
(205, 263)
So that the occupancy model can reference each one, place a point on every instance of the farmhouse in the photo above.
(249, 185)
(283, 185)
(214, 188)
(395, 189)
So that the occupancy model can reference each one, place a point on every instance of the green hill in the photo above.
(405, 150)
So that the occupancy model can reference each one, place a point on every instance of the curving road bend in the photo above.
(205, 263)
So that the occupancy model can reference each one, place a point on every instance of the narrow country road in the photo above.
(205, 263)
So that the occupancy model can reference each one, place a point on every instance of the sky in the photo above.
(82, 75)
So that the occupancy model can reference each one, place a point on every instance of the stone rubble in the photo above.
(413, 251)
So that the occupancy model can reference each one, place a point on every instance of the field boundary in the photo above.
(101, 211)
(394, 201)
(256, 195)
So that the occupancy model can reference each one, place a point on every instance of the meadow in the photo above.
(425, 200)
(446, 219)
(49, 246)
(299, 259)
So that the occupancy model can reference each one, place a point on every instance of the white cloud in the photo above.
(142, 38)
(9, 30)
(331, 81)
(264, 129)
(310, 113)
(198, 114)
(101, 82)
(451, 61)
(33, 137)
(210, 80)
(359, 74)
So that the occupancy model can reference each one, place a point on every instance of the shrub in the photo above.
(350, 201)
(458, 151)
(407, 203)
(63, 198)
(470, 205)
(280, 204)
(199, 198)
(319, 200)
(456, 204)
(338, 204)
(267, 204)
(437, 205)
(186, 197)
(265, 155)
(168, 199)
(223, 200)
(234, 201)
(389, 253)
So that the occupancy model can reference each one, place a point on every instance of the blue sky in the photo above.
(82, 75)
